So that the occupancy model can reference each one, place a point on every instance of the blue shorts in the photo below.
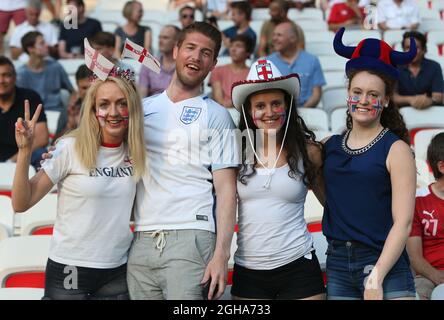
(348, 265)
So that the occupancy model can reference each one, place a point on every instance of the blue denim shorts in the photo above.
(348, 265)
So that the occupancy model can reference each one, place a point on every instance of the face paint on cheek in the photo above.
(125, 115)
(282, 115)
(352, 103)
(101, 116)
(376, 107)
(257, 116)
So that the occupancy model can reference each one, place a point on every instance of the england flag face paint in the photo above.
(258, 116)
(103, 113)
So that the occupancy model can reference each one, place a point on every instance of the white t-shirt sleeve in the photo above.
(380, 14)
(58, 167)
(16, 38)
(415, 14)
(223, 138)
(52, 35)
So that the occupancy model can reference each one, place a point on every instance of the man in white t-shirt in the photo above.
(398, 14)
(10, 10)
(32, 23)
(189, 191)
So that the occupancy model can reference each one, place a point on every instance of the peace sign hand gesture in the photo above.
(24, 129)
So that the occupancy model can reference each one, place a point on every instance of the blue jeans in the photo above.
(348, 265)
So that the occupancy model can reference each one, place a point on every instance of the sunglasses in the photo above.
(191, 16)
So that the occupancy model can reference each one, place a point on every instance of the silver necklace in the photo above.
(356, 152)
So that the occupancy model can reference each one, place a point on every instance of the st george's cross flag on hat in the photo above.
(139, 53)
(264, 75)
(97, 63)
(373, 54)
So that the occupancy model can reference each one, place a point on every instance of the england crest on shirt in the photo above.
(190, 114)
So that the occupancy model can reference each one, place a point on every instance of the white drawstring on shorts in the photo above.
(161, 240)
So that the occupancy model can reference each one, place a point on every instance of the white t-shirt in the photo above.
(48, 30)
(94, 207)
(272, 229)
(398, 17)
(177, 191)
(12, 5)
(217, 5)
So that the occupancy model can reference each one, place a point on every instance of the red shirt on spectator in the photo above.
(341, 12)
(428, 223)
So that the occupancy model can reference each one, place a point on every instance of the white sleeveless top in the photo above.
(272, 228)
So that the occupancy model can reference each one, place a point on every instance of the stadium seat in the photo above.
(393, 37)
(52, 118)
(41, 215)
(223, 60)
(423, 175)
(338, 120)
(21, 293)
(334, 98)
(434, 38)
(320, 135)
(335, 79)
(71, 65)
(3, 232)
(6, 218)
(206, 87)
(260, 14)
(319, 48)
(315, 119)
(313, 25)
(353, 37)
(109, 15)
(23, 261)
(429, 118)
(313, 36)
(7, 171)
(431, 24)
(424, 3)
(313, 209)
(438, 293)
(422, 141)
(72, 79)
(256, 26)
(313, 14)
(332, 63)
(428, 14)
(109, 26)
(155, 32)
(439, 6)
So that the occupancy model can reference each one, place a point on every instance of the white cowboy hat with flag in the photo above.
(264, 75)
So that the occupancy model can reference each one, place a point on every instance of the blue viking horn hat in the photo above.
(373, 54)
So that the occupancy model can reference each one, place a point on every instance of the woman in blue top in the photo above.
(370, 181)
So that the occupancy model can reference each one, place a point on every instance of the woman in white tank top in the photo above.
(280, 160)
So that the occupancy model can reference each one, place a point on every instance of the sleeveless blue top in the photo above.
(358, 190)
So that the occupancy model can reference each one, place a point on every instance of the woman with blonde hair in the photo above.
(96, 167)
(141, 35)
